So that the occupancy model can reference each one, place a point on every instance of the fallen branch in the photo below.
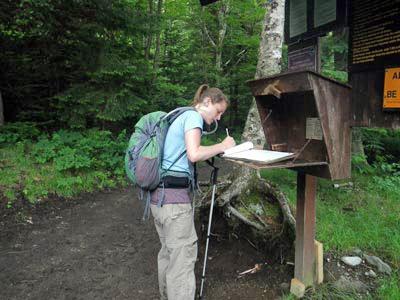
(230, 210)
(255, 215)
(257, 267)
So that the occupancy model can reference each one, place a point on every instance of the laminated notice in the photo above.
(313, 129)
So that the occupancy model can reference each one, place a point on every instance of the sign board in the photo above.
(304, 56)
(374, 60)
(307, 19)
(391, 90)
(297, 17)
(303, 59)
(324, 12)
(374, 34)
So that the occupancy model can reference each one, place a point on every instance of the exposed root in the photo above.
(229, 191)
(280, 197)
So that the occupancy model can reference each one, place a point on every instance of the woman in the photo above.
(174, 219)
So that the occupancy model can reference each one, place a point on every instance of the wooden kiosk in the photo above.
(307, 114)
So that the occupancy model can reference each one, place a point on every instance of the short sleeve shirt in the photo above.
(175, 140)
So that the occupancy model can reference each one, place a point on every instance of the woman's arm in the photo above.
(195, 152)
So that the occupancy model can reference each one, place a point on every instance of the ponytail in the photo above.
(215, 94)
(197, 97)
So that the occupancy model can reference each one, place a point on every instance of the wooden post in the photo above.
(305, 229)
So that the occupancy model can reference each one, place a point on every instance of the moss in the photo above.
(252, 201)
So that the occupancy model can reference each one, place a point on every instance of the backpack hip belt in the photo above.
(174, 182)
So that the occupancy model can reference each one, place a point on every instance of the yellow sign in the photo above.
(391, 90)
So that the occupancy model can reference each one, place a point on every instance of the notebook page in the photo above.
(261, 155)
(242, 147)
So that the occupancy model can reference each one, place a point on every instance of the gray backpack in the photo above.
(143, 158)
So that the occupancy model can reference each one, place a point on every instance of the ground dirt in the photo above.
(97, 247)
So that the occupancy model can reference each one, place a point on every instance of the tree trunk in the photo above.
(270, 51)
(222, 13)
(158, 39)
(149, 37)
(234, 106)
(218, 43)
(245, 181)
(1, 111)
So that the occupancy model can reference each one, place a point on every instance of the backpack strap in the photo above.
(176, 160)
(147, 208)
(146, 213)
(161, 198)
(174, 114)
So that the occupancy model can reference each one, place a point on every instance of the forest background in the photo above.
(77, 75)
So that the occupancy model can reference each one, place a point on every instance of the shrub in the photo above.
(15, 132)
(64, 163)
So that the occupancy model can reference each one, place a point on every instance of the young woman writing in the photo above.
(174, 218)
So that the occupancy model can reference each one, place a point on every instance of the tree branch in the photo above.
(208, 35)
(230, 210)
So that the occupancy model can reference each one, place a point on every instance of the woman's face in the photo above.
(213, 111)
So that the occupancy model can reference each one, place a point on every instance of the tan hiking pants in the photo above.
(176, 259)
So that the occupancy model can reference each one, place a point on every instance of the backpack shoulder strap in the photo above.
(171, 117)
(174, 114)
(179, 157)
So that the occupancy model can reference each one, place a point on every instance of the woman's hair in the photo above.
(215, 94)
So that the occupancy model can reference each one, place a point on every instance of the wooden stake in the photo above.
(305, 229)
(319, 263)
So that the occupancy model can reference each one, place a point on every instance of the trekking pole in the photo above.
(214, 175)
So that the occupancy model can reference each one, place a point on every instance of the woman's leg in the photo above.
(178, 254)
(181, 242)
(181, 281)
(163, 255)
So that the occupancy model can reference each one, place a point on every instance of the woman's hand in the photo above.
(228, 142)
(196, 152)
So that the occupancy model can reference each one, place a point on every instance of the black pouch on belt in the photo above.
(173, 182)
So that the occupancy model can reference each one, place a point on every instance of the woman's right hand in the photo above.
(228, 142)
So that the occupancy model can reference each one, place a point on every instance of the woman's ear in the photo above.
(207, 101)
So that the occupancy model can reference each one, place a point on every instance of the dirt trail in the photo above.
(96, 247)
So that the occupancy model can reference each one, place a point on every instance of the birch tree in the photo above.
(245, 181)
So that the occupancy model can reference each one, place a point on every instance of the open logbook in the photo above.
(246, 152)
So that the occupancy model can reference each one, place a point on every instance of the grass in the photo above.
(366, 216)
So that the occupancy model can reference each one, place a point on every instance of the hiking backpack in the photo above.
(143, 158)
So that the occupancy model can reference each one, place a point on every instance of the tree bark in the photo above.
(270, 51)
(149, 37)
(222, 13)
(158, 39)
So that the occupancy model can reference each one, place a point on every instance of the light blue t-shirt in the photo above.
(175, 140)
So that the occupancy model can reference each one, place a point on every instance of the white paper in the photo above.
(244, 151)
(238, 148)
(313, 129)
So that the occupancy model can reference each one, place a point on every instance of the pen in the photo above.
(227, 131)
